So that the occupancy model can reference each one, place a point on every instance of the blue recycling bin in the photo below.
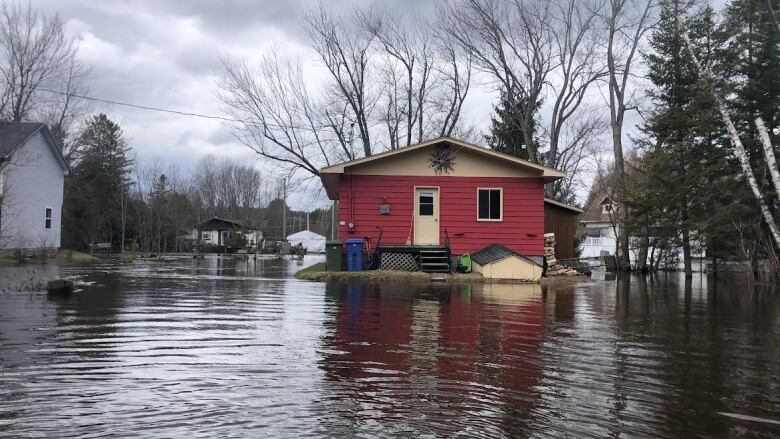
(355, 254)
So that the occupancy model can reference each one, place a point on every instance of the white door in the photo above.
(426, 216)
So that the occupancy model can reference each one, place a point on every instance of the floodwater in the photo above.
(222, 348)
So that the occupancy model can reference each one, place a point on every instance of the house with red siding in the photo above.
(442, 193)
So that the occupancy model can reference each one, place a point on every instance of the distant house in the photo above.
(32, 175)
(599, 226)
(442, 193)
(601, 229)
(216, 232)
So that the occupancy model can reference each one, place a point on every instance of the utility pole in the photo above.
(307, 221)
(284, 208)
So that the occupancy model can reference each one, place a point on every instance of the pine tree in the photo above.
(506, 129)
(97, 185)
(682, 148)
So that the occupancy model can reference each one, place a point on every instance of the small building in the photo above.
(600, 226)
(216, 232)
(312, 242)
(498, 262)
(32, 176)
(561, 219)
(442, 193)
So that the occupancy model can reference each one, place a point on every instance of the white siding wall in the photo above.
(593, 246)
(34, 181)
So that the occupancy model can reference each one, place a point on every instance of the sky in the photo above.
(166, 53)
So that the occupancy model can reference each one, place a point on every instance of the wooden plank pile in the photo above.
(553, 269)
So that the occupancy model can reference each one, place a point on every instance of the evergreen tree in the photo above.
(506, 129)
(97, 186)
(683, 150)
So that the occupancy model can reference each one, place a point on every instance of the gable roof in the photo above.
(574, 209)
(216, 219)
(13, 135)
(330, 174)
(593, 212)
(496, 252)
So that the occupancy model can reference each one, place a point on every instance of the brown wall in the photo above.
(563, 223)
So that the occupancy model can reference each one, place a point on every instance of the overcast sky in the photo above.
(166, 53)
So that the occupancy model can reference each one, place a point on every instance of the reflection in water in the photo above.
(221, 347)
(462, 358)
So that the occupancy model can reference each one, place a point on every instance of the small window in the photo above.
(47, 219)
(426, 204)
(205, 236)
(489, 204)
(606, 208)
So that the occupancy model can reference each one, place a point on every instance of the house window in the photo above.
(426, 204)
(606, 208)
(205, 236)
(489, 204)
(47, 219)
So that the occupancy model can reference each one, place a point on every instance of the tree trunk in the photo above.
(686, 240)
(739, 149)
(644, 242)
(769, 154)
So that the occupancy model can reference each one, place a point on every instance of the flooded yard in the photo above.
(239, 348)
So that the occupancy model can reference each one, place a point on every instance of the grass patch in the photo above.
(315, 268)
(65, 256)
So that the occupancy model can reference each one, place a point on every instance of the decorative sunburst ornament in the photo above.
(442, 160)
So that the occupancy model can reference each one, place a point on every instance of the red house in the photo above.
(443, 192)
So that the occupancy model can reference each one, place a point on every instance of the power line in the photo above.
(145, 107)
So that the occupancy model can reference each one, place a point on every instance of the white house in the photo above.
(217, 231)
(32, 175)
(600, 228)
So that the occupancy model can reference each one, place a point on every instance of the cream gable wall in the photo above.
(467, 164)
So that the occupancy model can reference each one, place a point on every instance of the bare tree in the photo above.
(228, 189)
(426, 79)
(282, 120)
(576, 31)
(62, 111)
(346, 52)
(512, 42)
(389, 82)
(34, 53)
(627, 23)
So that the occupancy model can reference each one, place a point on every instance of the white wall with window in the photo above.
(599, 240)
(32, 194)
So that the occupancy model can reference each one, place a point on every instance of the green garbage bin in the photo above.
(333, 256)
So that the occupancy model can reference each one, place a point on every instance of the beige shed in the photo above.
(498, 262)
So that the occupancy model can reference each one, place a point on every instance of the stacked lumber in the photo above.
(549, 254)
(553, 268)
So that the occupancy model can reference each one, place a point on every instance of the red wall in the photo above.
(522, 229)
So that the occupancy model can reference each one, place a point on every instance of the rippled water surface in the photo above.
(234, 349)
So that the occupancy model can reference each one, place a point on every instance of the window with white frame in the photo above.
(606, 208)
(205, 236)
(47, 219)
(490, 204)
